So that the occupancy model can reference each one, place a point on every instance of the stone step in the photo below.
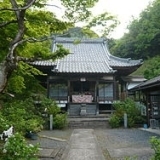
(90, 116)
(88, 123)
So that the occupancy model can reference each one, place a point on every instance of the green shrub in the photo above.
(21, 114)
(130, 108)
(18, 149)
(155, 143)
(130, 121)
(60, 121)
(114, 121)
(4, 124)
(34, 125)
(51, 107)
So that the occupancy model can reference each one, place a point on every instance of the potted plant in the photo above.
(33, 126)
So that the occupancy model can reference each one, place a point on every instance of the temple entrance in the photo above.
(81, 87)
(82, 92)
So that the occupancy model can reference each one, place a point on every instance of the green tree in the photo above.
(142, 39)
(22, 25)
(131, 109)
(80, 33)
(26, 30)
(151, 70)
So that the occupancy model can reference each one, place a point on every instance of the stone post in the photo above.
(51, 122)
(125, 120)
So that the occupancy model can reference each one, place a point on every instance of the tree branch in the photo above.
(3, 24)
(52, 5)
(20, 14)
(28, 5)
(40, 39)
(14, 5)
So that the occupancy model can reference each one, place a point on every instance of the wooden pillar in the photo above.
(69, 91)
(97, 96)
(114, 88)
(69, 95)
(96, 91)
(114, 91)
(123, 90)
(148, 105)
(48, 88)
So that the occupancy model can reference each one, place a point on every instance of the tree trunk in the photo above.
(5, 72)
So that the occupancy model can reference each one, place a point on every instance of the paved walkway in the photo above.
(156, 130)
(83, 145)
(96, 144)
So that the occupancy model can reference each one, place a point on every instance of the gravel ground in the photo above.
(116, 144)
(126, 141)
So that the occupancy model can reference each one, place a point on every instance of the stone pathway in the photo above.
(96, 144)
(83, 145)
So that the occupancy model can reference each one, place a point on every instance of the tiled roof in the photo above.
(123, 62)
(151, 81)
(147, 84)
(87, 56)
(44, 63)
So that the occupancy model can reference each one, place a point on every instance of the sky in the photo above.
(123, 9)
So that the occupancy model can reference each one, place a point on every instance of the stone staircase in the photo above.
(89, 121)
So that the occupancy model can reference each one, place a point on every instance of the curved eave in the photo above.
(146, 87)
(126, 70)
(81, 72)
(152, 83)
(44, 63)
(123, 62)
(44, 66)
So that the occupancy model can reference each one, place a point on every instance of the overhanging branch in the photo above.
(28, 6)
(15, 8)
(3, 24)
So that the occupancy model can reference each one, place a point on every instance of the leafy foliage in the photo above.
(155, 143)
(21, 79)
(27, 30)
(50, 106)
(4, 123)
(17, 148)
(138, 41)
(26, 33)
(23, 115)
(130, 108)
(106, 23)
(59, 118)
(142, 40)
(114, 121)
(78, 11)
(80, 33)
(150, 68)
(153, 70)
(60, 121)
(38, 25)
